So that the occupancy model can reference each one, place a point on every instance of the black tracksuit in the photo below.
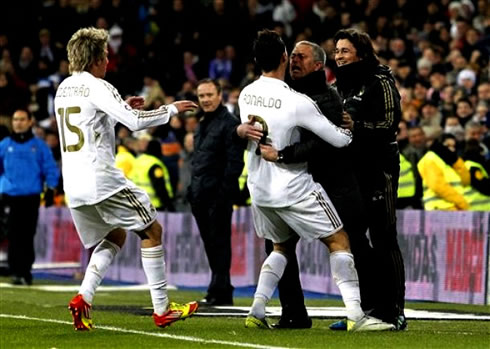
(216, 165)
(370, 96)
(333, 168)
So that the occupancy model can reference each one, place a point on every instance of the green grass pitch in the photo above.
(31, 318)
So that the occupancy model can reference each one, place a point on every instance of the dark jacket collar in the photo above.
(351, 77)
(211, 115)
(22, 137)
(311, 84)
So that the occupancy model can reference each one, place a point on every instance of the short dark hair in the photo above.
(360, 40)
(23, 110)
(210, 81)
(268, 49)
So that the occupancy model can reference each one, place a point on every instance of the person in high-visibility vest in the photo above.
(150, 173)
(125, 155)
(444, 176)
(406, 184)
(244, 198)
(478, 193)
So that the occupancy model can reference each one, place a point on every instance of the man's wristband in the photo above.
(280, 157)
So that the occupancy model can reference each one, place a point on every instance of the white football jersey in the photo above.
(281, 111)
(87, 109)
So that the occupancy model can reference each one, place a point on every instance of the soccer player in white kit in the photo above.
(285, 199)
(103, 203)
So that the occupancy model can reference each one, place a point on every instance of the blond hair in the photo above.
(86, 47)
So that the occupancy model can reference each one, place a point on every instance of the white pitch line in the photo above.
(75, 288)
(151, 334)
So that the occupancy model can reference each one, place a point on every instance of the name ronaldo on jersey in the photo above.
(259, 101)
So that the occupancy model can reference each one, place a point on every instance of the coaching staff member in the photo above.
(306, 68)
(216, 165)
(26, 167)
(371, 98)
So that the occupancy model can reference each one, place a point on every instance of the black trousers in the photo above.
(348, 202)
(380, 201)
(213, 219)
(21, 228)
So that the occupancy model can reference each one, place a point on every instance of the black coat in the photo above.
(217, 160)
(329, 166)
(370, 96)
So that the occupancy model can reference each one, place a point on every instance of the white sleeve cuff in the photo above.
(172, 110)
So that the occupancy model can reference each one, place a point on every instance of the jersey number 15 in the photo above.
(64, 114)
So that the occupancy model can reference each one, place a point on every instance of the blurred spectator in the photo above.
(122, 69)
(404, 74)
(185, 171)
(126, 155)
(150, 174)
(464, 110)
(452, 126)
(431, 120)
(187, 92)
(475, 131)
(221, 66)
(232, 101)
(406, 196)
(483, 91)
(420, 93)
(48, 51)
(467, 80)
(321, 21)
(151, 92)
(285, 13)
(61, 74)
(26, 167)
(11, 97)
(26, 67)
(190, 64)
(413, 152)
(482, 115)
(444, 176)
(424, 67)
(437, 80)
(52, 141)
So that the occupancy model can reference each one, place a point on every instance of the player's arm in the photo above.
(108, 99)
(297, 152)
(309, 116)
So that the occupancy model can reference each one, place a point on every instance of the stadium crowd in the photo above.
(438, 53)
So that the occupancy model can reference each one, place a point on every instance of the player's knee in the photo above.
(117, 236)
(153, 232)
(337, 242)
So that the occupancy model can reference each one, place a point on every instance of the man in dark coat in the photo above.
(217, 163)
(370, 97)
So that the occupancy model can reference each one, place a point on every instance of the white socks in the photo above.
(345, 276)
(100, 260)
(154, 267)
(270, 274)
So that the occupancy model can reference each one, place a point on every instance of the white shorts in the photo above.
(314, 217)
(129, 209)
